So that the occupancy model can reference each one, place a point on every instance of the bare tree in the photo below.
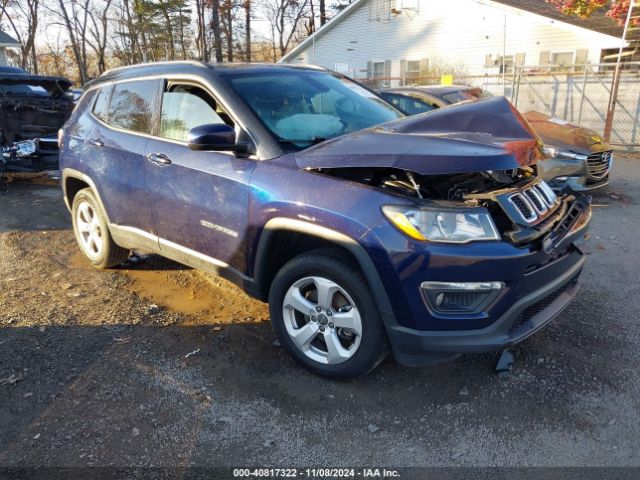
(22, 16)
(215, 27)
(202, 37)
(247, 29)
(286, 18)
(98, 31)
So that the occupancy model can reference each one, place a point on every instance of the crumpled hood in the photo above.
(470, 137)
(54, 85)
(559, 133)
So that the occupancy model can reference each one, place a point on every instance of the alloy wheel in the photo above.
(322, 320)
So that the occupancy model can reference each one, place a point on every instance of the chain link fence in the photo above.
(578, 94)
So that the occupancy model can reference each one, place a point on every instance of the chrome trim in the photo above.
(530, 218)
(465, 286)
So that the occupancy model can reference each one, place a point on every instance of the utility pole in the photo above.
(629, 34)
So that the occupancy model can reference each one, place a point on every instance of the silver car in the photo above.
(579, 158)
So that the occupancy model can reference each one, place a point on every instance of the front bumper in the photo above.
(539, 282)
(527, 316)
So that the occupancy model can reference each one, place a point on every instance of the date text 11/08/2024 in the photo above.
(320, 473)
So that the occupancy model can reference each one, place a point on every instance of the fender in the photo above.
(72, 173)
(356, 249)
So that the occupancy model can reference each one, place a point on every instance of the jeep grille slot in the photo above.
(535, 200)
(523, 206)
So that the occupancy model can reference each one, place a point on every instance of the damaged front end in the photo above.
(475, 157)
(32, 110)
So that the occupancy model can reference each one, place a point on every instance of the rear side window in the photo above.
(131, 105)
(102, 103)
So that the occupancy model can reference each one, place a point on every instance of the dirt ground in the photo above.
(155, 364)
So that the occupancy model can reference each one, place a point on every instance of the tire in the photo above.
(345, 338)
(92, 233)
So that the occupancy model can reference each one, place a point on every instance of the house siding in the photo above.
(460, 34)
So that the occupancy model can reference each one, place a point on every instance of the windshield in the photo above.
(462, 95)
(305, 107)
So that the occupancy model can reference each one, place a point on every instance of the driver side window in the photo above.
(185, 107)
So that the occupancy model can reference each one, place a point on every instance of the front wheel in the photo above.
(324, 314)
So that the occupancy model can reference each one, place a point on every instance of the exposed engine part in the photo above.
(453, 187)
(524, 209)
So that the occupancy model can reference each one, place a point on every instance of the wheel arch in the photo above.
(275, 248)
(72, 182)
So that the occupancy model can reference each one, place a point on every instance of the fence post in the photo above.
(567, 96)
(636, 118)
(584, 86)
(554, 102)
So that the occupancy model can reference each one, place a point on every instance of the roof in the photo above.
(7, 41)
(597, 23)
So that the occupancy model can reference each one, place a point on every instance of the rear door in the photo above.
(116, 149)
(199, 198)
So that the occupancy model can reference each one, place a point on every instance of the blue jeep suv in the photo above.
(365, 230)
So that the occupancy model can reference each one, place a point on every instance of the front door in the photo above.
(199, 198)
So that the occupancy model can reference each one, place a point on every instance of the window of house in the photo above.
(378, 72)
(562, 60)
(131, 105)
(505, 63)
(185, 107)
(412, 73)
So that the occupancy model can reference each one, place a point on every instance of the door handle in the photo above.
(159, 159)
(96, 142)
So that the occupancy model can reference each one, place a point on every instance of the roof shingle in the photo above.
(597, 22)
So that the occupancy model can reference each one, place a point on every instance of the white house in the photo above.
(393, 40)
(6, 42)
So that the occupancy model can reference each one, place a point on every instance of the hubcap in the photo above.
(89, 230)
(322, 320)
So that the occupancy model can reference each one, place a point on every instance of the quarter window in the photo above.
(131, 105)
(185, 107)
(102, 103)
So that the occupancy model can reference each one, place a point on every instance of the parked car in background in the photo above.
(361, 227)
(579, 158)
(32, 110)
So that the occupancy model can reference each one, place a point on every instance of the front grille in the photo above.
(534, 309)
(599, 164)
(533, 202)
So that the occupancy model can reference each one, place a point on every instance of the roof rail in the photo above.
(196, 63)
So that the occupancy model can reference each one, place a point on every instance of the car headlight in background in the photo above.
(556, 152)
(447, 226)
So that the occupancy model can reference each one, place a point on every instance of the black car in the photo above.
(32, 110)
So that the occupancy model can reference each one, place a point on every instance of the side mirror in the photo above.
(212, 136)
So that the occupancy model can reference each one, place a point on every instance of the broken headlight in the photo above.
(556, 152)
(21, 149)
(446, 226)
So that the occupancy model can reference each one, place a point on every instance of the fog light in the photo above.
(460, 297)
